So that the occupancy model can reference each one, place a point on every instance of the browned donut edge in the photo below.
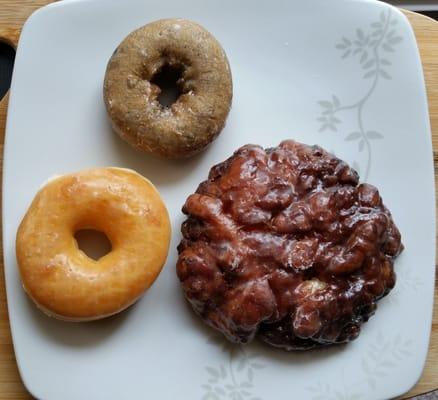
(197, 117)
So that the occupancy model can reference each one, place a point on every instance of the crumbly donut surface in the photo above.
(131, 99)
(285, 244)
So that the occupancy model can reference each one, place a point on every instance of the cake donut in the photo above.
(205, 88)
(61, 279)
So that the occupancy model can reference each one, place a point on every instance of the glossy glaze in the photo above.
(61, 279)
(285, 243)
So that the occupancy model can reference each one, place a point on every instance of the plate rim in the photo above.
(51, 7)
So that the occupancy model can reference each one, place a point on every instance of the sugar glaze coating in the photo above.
(285, 244)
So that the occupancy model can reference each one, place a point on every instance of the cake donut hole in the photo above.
(169, 80)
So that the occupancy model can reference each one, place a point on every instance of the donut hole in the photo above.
(168, 78)
(95, 244)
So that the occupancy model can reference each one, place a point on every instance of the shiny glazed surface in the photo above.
(62, 280)
(285, 244)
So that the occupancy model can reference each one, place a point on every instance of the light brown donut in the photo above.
(199, 114)
(61, 279)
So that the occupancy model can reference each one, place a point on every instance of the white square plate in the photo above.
(343, 74)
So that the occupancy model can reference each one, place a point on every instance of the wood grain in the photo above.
(13, 13)
(426, 31)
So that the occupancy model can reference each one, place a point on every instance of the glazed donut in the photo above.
(205, 86)
(61, 279)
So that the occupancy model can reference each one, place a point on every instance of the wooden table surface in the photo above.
(13, 13)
